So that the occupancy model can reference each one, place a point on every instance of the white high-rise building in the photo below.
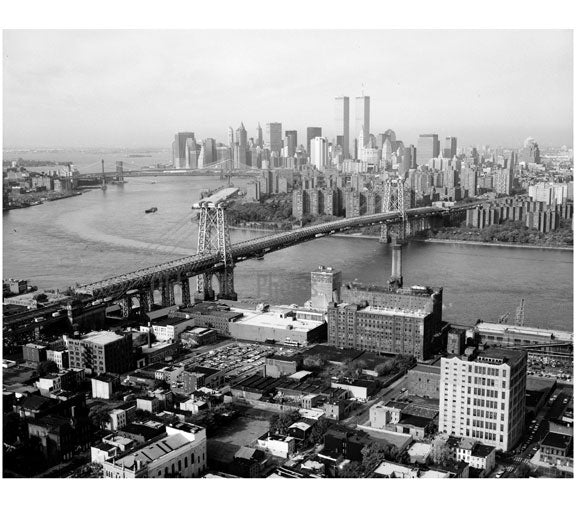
(319, 152)
(483, 396)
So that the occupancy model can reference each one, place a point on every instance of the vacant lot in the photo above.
(242, 431)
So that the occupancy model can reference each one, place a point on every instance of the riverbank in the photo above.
(482, 243)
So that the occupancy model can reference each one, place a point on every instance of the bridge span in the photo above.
(163, 277)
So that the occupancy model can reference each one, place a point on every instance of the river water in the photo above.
(104, 233)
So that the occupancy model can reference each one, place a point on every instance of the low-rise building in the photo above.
(278, 326)
(103, 386)
(424, 380)
(198, 336)
(277, 445)
(358, 389)
(181, 453)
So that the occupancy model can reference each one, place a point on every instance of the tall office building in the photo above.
(483, 396)
(325, 285)
(343, 125)
(362, 118)
(294, 134)
(230, 137)
(259, 138)
(319, 152)
(450, 147)
(179, 149)
(209, 148)
(273, 139)
(242, 136)
(428, 148)
(311, 133)
(290, 143)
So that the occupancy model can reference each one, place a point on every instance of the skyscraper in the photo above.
(362, 118)
(428, 147)
(290, 143)
(319, 152)
(180, 151)
(450, 147)
(294, 134)
(273, 139)
(259, 139)
(311, 133)
(343, 125)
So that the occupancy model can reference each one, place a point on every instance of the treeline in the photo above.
(510, 232)
(275, 210)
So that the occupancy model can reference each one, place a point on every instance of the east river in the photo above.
(104, 233)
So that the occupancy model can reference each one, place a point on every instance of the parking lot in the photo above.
(235, 359)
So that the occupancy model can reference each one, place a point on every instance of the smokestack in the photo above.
(149, 337)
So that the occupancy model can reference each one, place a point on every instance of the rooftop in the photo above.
(557, 440)
(509, 356)
(154, 451)
(482, 450)
(101, 337)
(277, 321)
(492, 328)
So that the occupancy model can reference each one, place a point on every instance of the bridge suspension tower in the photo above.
(395, 198)
(214, 238)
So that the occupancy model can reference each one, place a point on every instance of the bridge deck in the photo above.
(196, 264)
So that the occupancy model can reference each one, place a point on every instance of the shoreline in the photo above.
(506, 245)
(428, 240)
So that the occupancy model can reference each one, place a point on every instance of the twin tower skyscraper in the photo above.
(342, 117)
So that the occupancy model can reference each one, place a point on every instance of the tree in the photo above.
(279, 423)
(352, 470)
(440, 454)
(46, 367)
(384, 369)
(317, 432)
(40, 298)
(316, 361)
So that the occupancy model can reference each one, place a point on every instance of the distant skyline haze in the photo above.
(137, 88)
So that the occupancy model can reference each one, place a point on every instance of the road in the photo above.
(361, 415)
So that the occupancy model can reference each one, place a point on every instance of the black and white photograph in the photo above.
(298, 251)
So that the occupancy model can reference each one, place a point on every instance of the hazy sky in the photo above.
(137, 88)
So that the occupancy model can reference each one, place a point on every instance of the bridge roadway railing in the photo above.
(197, 264)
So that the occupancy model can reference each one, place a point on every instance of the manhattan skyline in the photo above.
(120, 88)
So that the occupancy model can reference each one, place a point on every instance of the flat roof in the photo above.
(490, 327)
(510, 355)
(101, 337)
(274, 320)
(169, 321)
(381, 310)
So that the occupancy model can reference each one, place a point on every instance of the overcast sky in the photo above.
(137, 88)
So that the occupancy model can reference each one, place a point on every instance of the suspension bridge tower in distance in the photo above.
(395, 198)
(214, 238)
